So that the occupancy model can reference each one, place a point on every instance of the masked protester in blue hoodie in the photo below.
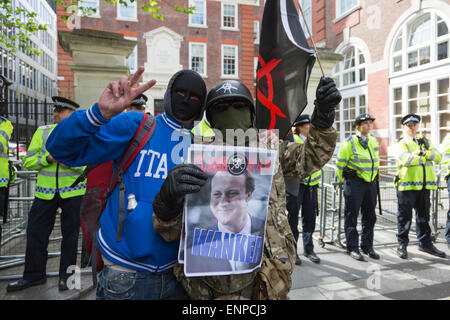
(139, 266)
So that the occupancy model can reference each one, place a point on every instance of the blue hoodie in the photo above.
(87, 138)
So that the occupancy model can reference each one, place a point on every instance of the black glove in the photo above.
(327, 98)
(424, 142)
(181, 180)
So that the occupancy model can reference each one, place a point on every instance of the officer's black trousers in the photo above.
(359, 195)
(41, 221)
(420, 201)
(307, 201)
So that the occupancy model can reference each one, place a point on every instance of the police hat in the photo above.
(411, 118)
(302, 119)
(361, 118)
(61, 102)
(139, 101)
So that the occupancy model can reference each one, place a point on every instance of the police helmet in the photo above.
(229, 90)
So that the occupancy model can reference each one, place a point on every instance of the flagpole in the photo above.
(312, 40)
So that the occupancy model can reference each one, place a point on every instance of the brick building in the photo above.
(395, 52)
(218, 41)
(396, 61)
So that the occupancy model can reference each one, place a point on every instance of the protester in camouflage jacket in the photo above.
(273, 279)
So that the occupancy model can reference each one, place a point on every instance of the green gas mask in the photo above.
(230, 115)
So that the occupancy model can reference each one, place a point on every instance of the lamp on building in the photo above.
(4, 84)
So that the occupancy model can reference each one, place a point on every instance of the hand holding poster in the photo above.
(225, 222)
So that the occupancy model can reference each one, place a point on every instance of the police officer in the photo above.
(445, 148)
(415, 178)
(6, 130)
(357, 166)
(52, 192)
(305, 198)
(138, 104)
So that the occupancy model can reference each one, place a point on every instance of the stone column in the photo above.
(98, 58)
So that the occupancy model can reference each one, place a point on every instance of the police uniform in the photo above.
(445, 148)
(304, 196)
(139, 103)
(414, 179)
(53, 191)
(357, 166)
(6, 130)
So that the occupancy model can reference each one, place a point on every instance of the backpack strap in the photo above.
(140, 139)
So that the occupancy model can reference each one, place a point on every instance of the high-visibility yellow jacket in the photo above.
(445, 149)
(415, 172)
(6, 130)
(52, 177)
(365, 161)
(314, 179)
(203, 129)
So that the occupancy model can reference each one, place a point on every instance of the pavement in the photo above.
(337, 277)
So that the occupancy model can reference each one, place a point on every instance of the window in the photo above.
(344, 7)
(419, 75)
(307, 12)
(420, 42)
(128, 11)
(92, 7)
(350, 75)
(352, 70)
(229, 61)
(229, 16)
(424, 98)
(197, 57)
(256, 32)
(159, 107)
(255, 68)
(131, 61)
(198, 18)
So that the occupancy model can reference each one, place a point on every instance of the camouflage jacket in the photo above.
(295, 160)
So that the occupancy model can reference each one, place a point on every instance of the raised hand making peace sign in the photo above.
(118, 94)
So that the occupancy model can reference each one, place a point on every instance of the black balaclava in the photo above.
(182, 107)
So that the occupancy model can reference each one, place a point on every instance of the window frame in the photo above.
(134, 19)
(196, 25)
(431, 73)
(236, 16)
(205, 57)
(342, 15)
(97, 12)
(405, 50)
(307, 17)
(257, 31)
(236, 73)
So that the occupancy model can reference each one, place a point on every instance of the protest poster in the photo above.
(225, 222)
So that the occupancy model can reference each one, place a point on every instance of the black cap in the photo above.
(139, 101)
(411, 118)
(361, 118)
(302, 119)
(62, 102)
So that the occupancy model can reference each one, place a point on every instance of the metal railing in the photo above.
(13, 244)
(331, 207)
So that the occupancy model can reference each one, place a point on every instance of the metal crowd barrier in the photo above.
(330, 224)
(13, 244)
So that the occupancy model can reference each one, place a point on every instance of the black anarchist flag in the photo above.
(285, 62)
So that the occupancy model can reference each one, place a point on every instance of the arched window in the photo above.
(351, 79)
(419, 75)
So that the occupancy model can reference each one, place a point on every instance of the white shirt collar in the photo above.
(246, 230)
